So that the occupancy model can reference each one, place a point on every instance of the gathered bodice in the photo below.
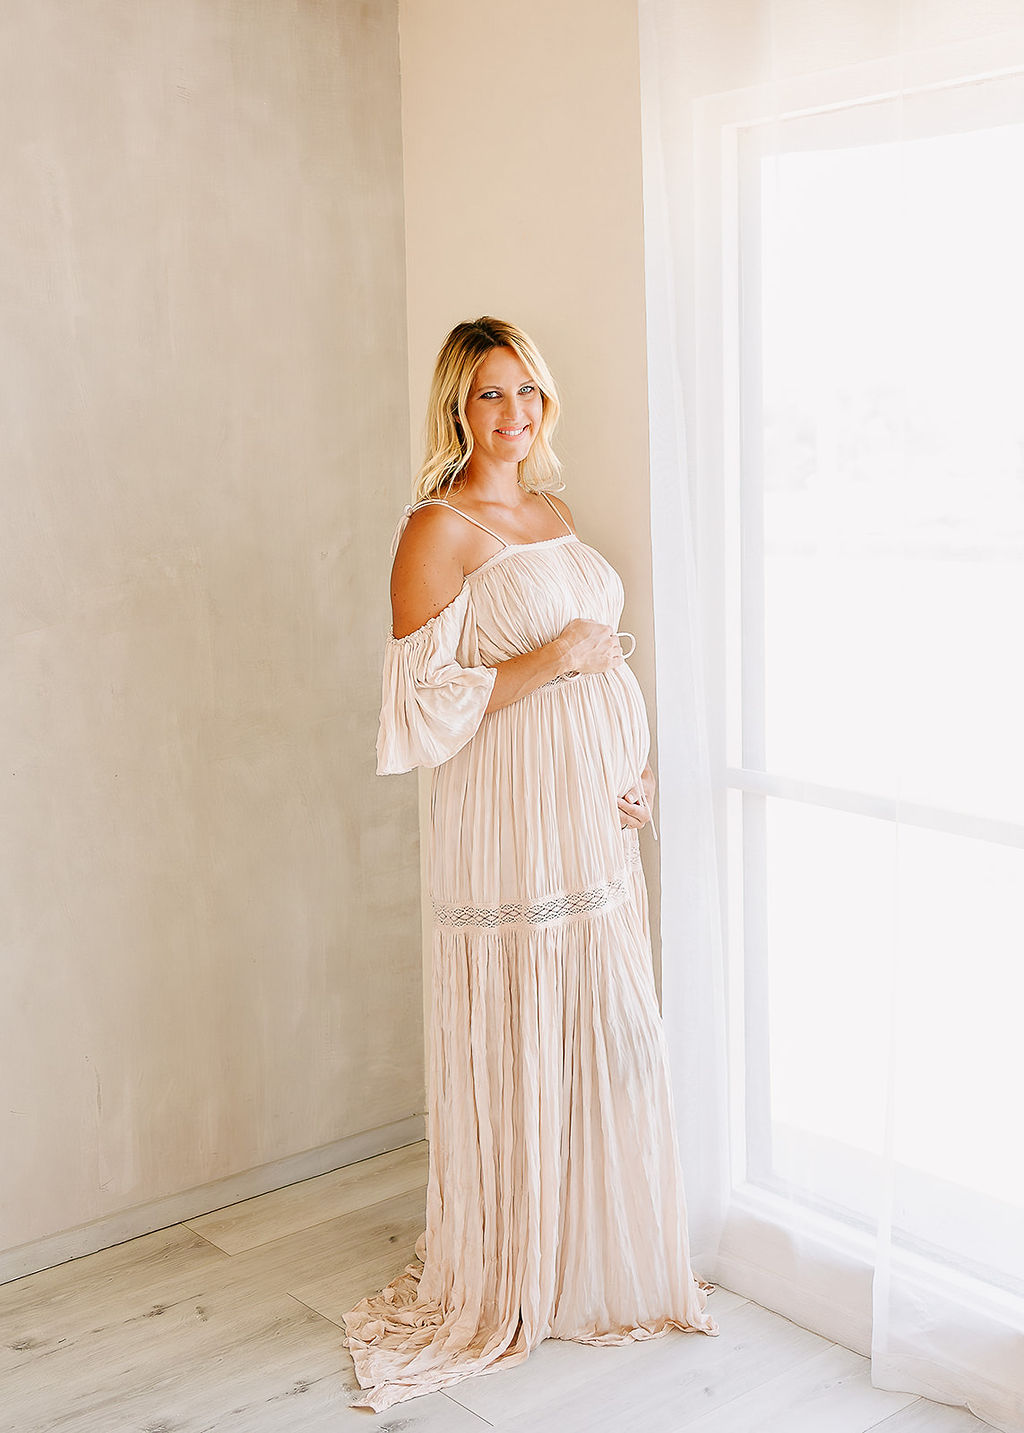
(525, 595)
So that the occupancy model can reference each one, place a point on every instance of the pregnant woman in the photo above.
(555, 1202)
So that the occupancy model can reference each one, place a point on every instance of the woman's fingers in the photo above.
(591, 646)
(632, 813)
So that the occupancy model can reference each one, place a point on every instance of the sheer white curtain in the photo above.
(834, 216)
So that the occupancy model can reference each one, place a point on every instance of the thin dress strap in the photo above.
(556, 512)
(466, 515)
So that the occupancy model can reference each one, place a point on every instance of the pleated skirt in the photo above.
(555, 1199)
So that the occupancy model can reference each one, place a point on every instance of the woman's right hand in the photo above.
(586, 646)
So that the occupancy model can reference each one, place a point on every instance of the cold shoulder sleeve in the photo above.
(431, 705)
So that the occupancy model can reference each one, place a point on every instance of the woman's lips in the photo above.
(512, 433)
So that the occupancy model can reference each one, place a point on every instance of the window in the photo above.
(873, 304)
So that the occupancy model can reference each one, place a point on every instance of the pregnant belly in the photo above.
(528, 807)
(612, 705)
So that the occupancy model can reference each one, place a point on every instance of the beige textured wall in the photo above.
(210, 904)
(523, 199)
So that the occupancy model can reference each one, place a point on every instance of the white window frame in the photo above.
(727, 524)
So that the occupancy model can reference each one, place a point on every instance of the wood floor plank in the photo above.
(659, 1385)
(144, 1277)
(333, 1294)
(348, 1250)
(43, 1312)
(430, 1413)
(264, 1367)
(295, 1207)
(832, 1390)
(184, 1337)
(926, 1416)
(194, 1362)
(120, 1328)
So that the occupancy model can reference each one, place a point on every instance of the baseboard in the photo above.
(188, 1204)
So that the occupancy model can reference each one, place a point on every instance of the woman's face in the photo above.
(503, 408)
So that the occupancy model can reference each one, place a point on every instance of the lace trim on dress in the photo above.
(555, 908)
(562, 677)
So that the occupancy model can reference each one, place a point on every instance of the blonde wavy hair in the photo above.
(449, 442)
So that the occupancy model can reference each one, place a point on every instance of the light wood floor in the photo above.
(232, 1323)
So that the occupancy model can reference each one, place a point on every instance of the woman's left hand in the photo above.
(632, 813)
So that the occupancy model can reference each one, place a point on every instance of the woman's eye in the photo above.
(489, 394)
(527, 388)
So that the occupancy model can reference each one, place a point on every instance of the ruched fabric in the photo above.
(431, 705)
(555, 1199)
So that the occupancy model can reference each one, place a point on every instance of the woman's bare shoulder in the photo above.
(432, 524)
(564, 509)
(429, 567)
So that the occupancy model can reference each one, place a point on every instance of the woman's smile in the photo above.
(503, 410)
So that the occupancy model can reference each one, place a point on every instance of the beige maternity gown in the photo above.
(555, 1205)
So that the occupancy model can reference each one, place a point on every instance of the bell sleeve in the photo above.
(431, 705)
